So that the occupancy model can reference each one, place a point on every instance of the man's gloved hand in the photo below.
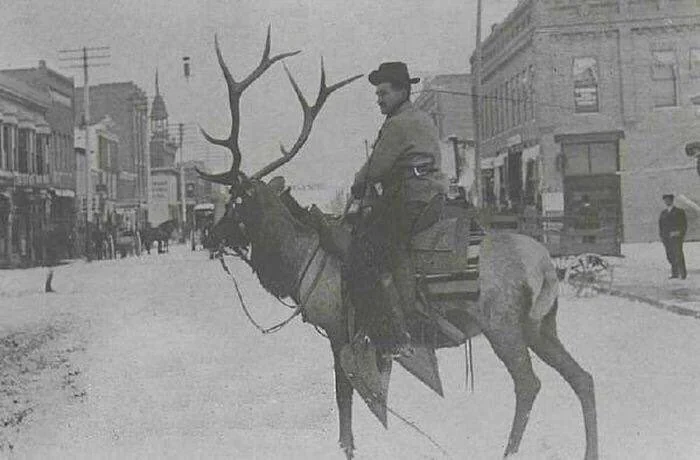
(358, 190)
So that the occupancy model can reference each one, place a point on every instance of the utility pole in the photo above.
(477, 109)
(85, 57)
(181, 129)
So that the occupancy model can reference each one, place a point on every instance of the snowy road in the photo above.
(152, 358)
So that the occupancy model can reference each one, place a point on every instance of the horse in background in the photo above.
(160, 234)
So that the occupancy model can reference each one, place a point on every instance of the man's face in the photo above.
(668, 201)
(389, 98)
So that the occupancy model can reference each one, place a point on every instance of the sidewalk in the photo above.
(642, 274)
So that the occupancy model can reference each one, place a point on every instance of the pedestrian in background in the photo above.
(672, 228)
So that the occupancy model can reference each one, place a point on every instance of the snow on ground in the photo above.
(165, 365)
(644, 271)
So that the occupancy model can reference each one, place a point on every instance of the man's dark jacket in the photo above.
(672, 223)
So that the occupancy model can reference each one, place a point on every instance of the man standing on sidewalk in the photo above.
(672, 227)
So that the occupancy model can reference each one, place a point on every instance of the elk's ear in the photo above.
(276, 184)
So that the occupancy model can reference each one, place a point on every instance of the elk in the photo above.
(516, 309)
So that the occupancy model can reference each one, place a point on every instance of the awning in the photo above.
(9, 114)
(500, 159)
(487, 163)
(531, 153)
(64, 192)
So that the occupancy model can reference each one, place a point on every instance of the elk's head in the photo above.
(249, 195)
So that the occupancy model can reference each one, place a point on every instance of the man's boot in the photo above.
(392, 301)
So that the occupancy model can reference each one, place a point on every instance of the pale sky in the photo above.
(352, 36)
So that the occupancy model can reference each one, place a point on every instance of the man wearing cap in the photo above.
(404, 170)
(672, 228)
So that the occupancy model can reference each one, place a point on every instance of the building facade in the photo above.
(126, 106)
(59, 165)
(25, 200)
(590, 101)
(448, 100)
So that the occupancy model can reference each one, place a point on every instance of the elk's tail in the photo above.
(545, 289)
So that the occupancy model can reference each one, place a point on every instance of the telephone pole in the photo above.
(84, 56)
(477, 108)
(181, 129)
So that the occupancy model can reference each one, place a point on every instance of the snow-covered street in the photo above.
(152, 357)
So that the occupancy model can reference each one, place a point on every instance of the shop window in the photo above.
(664, 79)
(590, 158)
(603, 157)
(585, 75)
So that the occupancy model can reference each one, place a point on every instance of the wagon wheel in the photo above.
(588, 274)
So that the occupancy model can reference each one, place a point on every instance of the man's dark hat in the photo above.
(393, 72)
(667, 195)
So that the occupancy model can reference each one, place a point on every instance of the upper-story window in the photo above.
(664, 78)
(585, 75)
(24, 143)
(102, 153)
(7, 151)
(695, 62)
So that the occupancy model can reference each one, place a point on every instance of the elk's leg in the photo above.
(509, 345)
(343, 397)
(548, 347)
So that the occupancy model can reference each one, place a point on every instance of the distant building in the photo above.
(448, 100)
(165, 175)
(104, 157)
(60, 161)
(591, 100)
(126, 106)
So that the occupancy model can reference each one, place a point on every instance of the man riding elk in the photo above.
(403, 173)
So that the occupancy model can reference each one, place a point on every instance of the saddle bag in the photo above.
(446, 259)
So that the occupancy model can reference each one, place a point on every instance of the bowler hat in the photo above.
(393, 72)
(668, 195)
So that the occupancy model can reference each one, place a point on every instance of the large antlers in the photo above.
(310, 113)
(235, 90)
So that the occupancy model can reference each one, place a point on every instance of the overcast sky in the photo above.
(353, 37)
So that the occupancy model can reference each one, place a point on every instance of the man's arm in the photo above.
(386, 151)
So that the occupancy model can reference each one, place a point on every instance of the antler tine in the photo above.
(309, 113)
(235, 91)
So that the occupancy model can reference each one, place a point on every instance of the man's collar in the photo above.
(407, 104)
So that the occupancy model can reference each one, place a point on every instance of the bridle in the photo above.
(241, 253)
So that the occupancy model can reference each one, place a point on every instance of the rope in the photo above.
(268, 330)
(404, 419)
(297, 308)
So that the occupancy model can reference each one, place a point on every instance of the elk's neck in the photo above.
(280, 251)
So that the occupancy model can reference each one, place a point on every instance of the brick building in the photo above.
(58, 166)
(448, 100)
(591, 100)
(126, 106)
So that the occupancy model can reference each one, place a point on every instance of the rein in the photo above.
(298, 309)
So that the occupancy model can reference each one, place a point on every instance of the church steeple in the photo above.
(159, 114)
